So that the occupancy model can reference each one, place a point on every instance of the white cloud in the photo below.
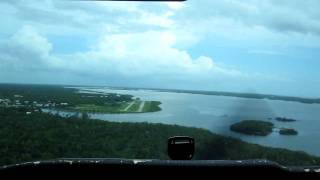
(26, 50)
(143, 54)
(285, 16)
(162, 20)
(121, 55)
(253, 23)
(152, 43)
(27, 38)
(175, 5)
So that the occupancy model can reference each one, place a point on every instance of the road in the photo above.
(141, 106)
(129, 106)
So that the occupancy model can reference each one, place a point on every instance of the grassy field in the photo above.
(96, 108)
(134, 107)
(123, 107)
(151, 106)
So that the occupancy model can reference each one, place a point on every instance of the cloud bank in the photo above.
(153, 44)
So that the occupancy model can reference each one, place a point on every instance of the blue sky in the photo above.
(267, 46)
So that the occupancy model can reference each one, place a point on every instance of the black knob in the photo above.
(181, 147)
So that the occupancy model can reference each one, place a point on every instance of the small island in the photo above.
(252, 127)
(284, 119)
(285, 131)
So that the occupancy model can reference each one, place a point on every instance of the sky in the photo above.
(261, 46)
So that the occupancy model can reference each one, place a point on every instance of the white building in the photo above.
(39, 105)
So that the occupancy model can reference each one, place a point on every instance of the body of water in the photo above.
(217, 113)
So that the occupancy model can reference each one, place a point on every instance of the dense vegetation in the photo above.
(58, 94)
(252, 127)
(39, 136)
(283, 119)
(285, 131)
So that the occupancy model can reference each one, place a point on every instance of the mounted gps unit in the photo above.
(181, 147)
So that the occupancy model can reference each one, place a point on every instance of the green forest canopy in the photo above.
(40, 136)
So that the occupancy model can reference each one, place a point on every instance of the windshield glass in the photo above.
(87, 79)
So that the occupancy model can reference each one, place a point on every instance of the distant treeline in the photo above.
(233, 94)
(57, 94)
(126, 97)
(40, 136)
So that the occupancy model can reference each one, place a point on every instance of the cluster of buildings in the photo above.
(16, 102)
